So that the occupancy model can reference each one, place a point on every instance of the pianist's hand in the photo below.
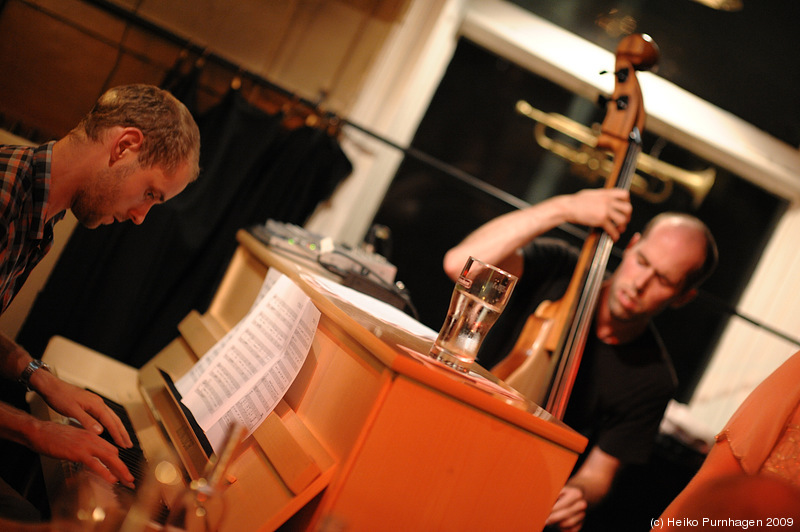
(85, 407)
(67, 442)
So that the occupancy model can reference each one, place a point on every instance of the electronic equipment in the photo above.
(360, 269)
(341, 258)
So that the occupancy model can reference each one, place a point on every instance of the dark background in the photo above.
(742, 61)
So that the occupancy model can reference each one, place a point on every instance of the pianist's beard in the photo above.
(94, 202)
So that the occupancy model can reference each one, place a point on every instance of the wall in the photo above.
(319, 49)
(746, 354)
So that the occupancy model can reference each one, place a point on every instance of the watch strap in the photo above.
(30, 369)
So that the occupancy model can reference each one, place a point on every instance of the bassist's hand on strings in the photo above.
(498, 241)
(607, 209)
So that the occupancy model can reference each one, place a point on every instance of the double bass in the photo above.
(545, 359)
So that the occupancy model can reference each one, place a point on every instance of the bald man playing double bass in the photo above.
(625, 378)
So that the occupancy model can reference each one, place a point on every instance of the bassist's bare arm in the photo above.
(498, 241)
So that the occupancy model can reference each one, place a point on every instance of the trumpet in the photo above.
(656, 181)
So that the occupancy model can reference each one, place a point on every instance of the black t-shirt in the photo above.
(621, 391)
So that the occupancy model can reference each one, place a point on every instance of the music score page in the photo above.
(249, 370)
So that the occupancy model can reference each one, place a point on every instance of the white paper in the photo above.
(377, 308)
(248, 371)
(186, 383)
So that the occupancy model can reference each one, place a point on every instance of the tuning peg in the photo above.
(622, 101)
(622, 74)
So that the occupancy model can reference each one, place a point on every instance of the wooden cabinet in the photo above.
(372, 434)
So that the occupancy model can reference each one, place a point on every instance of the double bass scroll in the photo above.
(544, 361)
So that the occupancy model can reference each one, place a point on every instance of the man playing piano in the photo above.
(137, 147)
(626, 378)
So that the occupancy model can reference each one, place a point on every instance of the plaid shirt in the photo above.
(25, 235)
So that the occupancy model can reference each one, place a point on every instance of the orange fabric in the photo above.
(784, 460)
(755, 440)
(760, 421)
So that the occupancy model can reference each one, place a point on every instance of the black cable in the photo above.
(368, 272)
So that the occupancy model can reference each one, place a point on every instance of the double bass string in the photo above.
(574, 342)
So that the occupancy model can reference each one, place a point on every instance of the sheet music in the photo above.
(187, 382)
(247, 372)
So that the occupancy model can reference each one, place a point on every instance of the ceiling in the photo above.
(744, 61)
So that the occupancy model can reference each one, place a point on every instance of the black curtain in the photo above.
(122, 289)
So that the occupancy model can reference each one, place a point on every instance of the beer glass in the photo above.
(480, 295)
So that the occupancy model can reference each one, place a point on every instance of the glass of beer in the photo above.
(480, 295)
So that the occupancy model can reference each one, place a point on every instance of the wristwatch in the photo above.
(30, 369)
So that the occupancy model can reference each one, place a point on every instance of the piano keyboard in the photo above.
(134, 460)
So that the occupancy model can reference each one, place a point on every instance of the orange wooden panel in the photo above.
(433, 463)
(295, 466)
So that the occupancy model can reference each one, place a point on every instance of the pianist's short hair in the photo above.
(171, 135)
